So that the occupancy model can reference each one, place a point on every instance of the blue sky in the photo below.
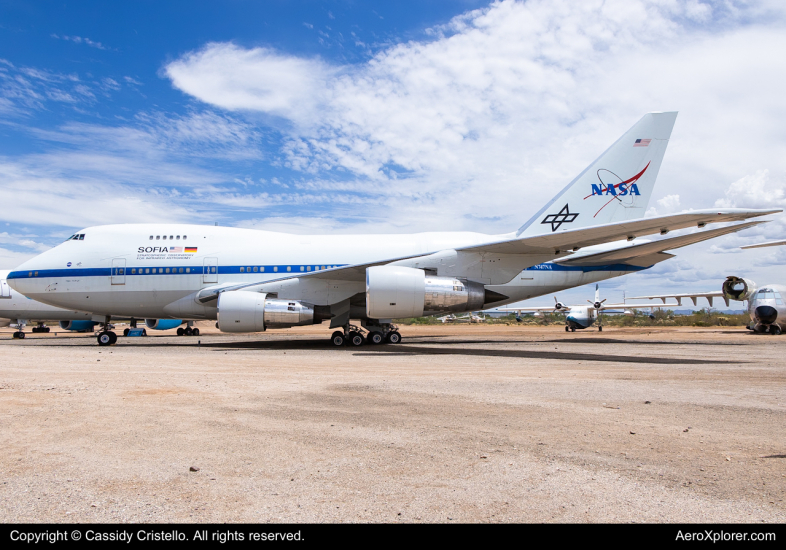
(346, 117)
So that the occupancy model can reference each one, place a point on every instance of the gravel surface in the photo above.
(464, 423)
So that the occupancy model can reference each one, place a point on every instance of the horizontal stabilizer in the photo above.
(762, 245)
(642, 254)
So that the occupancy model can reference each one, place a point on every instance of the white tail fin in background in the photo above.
(597, 293)
(616, 187)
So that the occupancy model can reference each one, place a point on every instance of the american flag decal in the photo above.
(641, 142)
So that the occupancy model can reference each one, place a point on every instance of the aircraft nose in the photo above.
(766, 314)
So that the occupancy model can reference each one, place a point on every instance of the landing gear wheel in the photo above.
(356, 339)
(338, 338)
(144, 332)
(188, 331)
(105, 339)
(375, 338)
(393, 337)
(15, 335)
(775, 330)
(573, 329)
(600, 329)
(20, 335)
(180, 331)
(195, 332)
(126, 331)
(46, 329)
(567, 329)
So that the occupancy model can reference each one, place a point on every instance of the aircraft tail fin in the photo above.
(617, 186)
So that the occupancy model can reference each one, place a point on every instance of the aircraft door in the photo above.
(210, 270)
(118, 271)
(5, 290)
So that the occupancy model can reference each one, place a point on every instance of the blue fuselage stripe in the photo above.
(259, 269)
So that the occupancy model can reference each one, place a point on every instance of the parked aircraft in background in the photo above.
(765, 305)
(253, 280)
(470, 317)
(581, 317)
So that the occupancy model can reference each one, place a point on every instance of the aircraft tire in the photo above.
(355, 339)
(188, 331)
(180, 331)
(126, 331)
(195, 332)
(573, 329)
(393, 337)
(567, 328)
(775, 330)
(114, 338)
(104, 339)
(21, 335)
(144, 332)
(375, 338)
(600, 329)
(15, 335)
(338, 339)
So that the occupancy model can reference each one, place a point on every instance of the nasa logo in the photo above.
(598, 189)
(68, 264)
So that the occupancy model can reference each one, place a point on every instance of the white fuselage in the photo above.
(16, 308)
(155, 271)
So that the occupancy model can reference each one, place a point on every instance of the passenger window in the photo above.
(275, 268)
(242, 269)
(133, 271)
(181, 270)
(158, 237)
(178, 237)
(184, 237)
(151, 237)
(167, 270)
(248, 269)
(262, 268)
(302, 268)
(147, 270)
(188, 270)
(289, 268)
(308, 268)
(171, 238)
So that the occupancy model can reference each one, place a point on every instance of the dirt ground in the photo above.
(464, 423)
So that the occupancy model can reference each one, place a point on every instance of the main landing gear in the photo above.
(353, 336)
(20, 335)
(40, 328)
(188, 331)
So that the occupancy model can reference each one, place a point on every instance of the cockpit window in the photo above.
(766, 294)
(77, 237)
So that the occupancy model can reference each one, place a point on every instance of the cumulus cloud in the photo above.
(515, 99)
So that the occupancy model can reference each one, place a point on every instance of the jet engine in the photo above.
(77, 325)
(393, 292)
(162, 324)
(240, 311)
(737, 288)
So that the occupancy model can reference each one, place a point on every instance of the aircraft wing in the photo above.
(694, 296)
(762, 245)
(533, 248)
(647, 254)
(634, 306)
(561, 241)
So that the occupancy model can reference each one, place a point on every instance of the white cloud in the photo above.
(259, 79)
(506, 104)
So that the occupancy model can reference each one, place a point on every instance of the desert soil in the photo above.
(464, 423)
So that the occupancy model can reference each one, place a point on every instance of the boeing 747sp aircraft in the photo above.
(253, 280)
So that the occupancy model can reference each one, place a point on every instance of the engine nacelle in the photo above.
(737, 288)
(162, 324)
(559, 306)
(253, 312)
(77, 325)
(393, 292)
